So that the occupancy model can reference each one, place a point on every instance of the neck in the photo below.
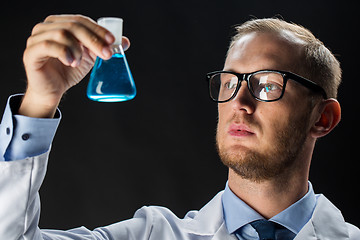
(270, 197)
(266, 197)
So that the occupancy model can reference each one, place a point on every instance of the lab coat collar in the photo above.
(327, 222)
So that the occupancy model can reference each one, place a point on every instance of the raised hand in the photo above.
(59, 53)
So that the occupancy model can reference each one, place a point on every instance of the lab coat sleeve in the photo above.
(20, 204)
(20, 209)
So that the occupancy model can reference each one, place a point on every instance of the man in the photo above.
(276, 96)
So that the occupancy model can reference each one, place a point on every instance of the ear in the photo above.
(330, 115)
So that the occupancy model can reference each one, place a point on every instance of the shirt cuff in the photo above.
(21, 136)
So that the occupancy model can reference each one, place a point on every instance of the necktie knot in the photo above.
(265, 229)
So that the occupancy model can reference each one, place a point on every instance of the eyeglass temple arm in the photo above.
(307, 83)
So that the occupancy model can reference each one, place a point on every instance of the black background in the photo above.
(109, 159)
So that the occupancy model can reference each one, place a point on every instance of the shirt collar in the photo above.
(237, 213)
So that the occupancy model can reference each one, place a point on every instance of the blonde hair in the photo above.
(318, 63)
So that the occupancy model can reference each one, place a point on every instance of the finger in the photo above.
(96, 39)
(36, 55)
(61, 36)
(92, 25)
(86, 21)
(67, 17)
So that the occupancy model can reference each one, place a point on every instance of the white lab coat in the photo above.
(20, 210)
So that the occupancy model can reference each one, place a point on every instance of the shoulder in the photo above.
(157, 213)
(163, 222)
(354, 232)
(335, 223)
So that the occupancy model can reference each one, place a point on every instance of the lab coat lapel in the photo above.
(327, 222)
(222, 234)
(210, 221)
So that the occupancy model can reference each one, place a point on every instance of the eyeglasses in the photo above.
(264, 85)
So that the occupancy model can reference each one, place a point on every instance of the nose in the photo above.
(243, 100)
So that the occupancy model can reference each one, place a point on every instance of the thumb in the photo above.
(125, 43)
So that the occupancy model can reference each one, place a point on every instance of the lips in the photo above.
(240, 130)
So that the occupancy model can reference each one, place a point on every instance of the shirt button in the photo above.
(7, 131)
(25, 136)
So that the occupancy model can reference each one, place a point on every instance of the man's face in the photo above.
(262, 140)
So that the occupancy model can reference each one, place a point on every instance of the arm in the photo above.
(59, 53)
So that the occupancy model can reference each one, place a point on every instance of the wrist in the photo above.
(38, 106)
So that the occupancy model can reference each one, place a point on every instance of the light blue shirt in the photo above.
(239, 215)
(22, 137)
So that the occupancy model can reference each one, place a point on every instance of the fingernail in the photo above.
(69, 57)
(109, 38)
(76, 63)
(106, 52)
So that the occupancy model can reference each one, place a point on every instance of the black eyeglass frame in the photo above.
(286, 76)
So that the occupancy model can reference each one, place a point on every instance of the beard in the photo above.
(277, 159)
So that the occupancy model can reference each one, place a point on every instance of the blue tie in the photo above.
(265, 229)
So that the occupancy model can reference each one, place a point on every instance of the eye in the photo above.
(267, 85)
(271, 87)
(231, 83)
(269, 82)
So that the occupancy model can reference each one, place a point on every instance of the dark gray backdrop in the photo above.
(109, 159)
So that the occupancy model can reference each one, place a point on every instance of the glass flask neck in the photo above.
(117, 48)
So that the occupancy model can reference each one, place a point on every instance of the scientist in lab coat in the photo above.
(276, 96)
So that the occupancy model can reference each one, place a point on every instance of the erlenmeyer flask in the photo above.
(111, 80)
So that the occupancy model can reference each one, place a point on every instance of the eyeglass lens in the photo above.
(264, 85)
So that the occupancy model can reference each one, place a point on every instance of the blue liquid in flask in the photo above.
(111, 80)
